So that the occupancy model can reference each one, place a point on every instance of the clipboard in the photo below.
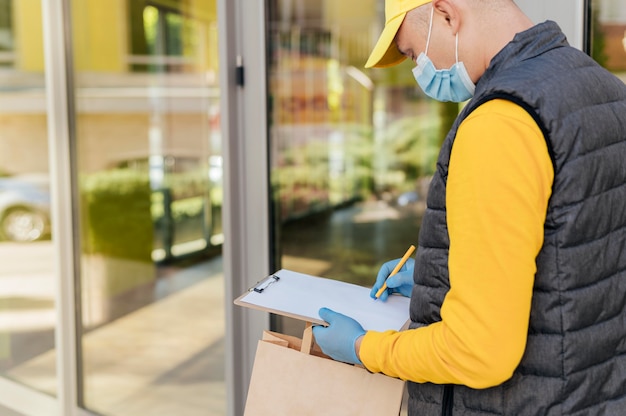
(300, 296)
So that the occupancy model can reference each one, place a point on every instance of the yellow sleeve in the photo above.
(499, 183)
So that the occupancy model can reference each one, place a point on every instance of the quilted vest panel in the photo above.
(575, 358)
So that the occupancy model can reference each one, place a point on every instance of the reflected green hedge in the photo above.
(116, 218)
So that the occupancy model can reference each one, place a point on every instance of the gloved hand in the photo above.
(338, 338)
(401, 282)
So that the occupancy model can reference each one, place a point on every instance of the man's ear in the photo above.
(450, 10)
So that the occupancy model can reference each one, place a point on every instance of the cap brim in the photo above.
(386, 52)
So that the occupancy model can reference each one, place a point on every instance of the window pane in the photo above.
(150, 196)
(8, 412)
(352, 150)
(609, 35)
(27, 280)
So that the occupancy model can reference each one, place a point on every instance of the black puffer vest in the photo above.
(575, 358)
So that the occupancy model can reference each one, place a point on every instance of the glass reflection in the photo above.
(608, 46)
(27, 287)
(150, 195)
(352, 150)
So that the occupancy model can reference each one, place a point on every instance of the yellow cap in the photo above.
(386, 52)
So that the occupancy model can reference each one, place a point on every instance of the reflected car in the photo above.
(24, 208)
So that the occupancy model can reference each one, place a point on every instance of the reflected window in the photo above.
(163, 38)
(27, 272)
(608, 35)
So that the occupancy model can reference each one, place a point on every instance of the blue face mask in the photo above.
(452, 84)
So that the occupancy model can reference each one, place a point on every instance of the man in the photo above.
(518, 289)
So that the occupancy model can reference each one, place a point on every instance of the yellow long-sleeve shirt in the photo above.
(499, 183)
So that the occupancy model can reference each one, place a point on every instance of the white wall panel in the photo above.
(569, 14)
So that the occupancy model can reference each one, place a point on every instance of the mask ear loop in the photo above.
(430, 29)
(456, 49)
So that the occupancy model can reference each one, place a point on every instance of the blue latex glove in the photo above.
(401, 282)
(338, 338)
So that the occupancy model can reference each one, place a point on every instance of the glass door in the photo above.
(27, 277)
(151, 325)
(135, 127)
(352, 150)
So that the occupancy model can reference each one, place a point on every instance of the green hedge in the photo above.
(116, 218)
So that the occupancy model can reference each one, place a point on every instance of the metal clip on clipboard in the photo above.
(264, 284)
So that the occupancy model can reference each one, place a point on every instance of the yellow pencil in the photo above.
(396, 269)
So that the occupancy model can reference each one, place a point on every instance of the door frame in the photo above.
(246, 221)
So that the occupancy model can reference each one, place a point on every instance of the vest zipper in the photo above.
(448, 400)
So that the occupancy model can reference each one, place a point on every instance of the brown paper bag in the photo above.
(288, 382)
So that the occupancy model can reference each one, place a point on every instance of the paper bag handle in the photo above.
(307, 338)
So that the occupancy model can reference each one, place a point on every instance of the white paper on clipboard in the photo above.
(301, 296)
